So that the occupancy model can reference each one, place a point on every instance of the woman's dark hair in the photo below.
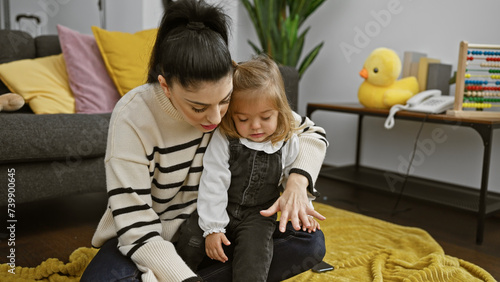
(191, 45)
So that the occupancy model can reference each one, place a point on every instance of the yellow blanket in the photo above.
(52, 269)
(360, 248)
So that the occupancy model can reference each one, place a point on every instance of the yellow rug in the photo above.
(360, 248)
(52, 269)
(363, 248)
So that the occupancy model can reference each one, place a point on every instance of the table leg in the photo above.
(486, 135)
(358, 140)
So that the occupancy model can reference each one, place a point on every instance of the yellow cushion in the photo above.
(126, 56)
(43, 83)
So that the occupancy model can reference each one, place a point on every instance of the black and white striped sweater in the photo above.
(153, 167)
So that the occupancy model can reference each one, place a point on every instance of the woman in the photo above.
(157, 138)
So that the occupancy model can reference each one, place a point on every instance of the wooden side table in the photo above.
(478, 201)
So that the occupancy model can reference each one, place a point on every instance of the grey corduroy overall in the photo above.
(255, 177)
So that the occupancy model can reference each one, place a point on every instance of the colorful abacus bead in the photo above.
(476, 105)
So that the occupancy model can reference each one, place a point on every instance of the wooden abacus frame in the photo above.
(460, 82)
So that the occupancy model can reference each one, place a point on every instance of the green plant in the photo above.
(277, 23)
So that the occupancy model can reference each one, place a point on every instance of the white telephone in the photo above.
(429, 101)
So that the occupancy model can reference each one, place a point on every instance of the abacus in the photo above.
(477, 81)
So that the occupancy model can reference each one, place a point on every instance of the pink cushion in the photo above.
(89, 81)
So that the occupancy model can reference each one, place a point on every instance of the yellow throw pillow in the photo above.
(43, 83)
(126, 56)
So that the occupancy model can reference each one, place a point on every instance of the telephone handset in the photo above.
(429, 101)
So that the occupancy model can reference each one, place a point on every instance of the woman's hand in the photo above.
(293, 204)
(213, 246)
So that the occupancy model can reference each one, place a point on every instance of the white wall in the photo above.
(432, 27)
(121, 15)
(152, 13)
(132, 15)
(76, 14)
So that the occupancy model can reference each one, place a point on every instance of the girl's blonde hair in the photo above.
(260, 78)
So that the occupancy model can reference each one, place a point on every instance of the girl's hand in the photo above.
(313, 225)
(293, 204)
(213, 246)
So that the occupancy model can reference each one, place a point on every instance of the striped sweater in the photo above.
(153, 166)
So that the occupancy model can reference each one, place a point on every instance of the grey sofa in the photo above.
(58, 155)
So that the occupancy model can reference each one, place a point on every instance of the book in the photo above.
(423, 68)
(414, 69)
(438, 77)
(409, 59)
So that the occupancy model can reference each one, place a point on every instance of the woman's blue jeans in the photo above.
(294, 252)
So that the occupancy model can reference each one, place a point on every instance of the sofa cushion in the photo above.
(47, 45)
(126, 56)
(43, 83)
(16, 45)
(90, 83)
(38, 181)
(60, 137)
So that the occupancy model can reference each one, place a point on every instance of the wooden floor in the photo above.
(54, 229)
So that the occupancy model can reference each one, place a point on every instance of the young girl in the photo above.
(158, 134)
(245, 162)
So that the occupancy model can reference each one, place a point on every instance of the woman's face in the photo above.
(203, 107)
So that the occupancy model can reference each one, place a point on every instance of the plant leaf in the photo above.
(256, 49)
(253, 17)
(277, 24)
(309, 59)
(313, 5)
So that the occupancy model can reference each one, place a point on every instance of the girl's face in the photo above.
(203, 107)
(255, 119)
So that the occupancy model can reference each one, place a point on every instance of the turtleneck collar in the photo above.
(165, 103)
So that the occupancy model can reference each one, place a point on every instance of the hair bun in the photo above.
(195, 25)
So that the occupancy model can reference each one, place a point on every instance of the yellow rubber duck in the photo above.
(381, 89)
